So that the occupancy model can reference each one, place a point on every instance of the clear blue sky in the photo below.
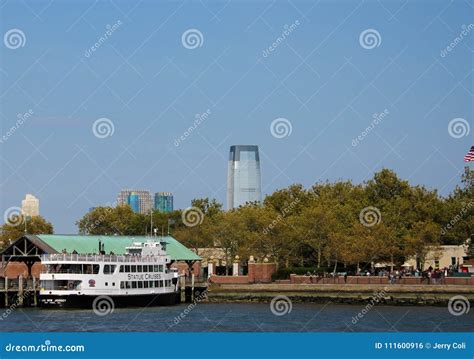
(151, 87)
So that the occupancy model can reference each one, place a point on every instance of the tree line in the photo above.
(329, 225)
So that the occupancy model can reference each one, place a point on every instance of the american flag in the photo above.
(470, 155)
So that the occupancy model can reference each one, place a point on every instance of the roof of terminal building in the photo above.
(56, 243)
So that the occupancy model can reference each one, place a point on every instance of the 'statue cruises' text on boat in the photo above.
(141, 277)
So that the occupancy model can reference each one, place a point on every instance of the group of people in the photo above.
(428, 276)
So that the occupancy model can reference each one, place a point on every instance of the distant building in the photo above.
(30, 206)
(133, 201)
(164, 202)
(440, 257)
(243, 176)
(134, 196)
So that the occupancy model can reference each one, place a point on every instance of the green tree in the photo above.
(24, 225)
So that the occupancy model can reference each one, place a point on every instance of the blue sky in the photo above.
(318, 77)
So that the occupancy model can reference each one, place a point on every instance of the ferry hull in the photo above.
(122, 301)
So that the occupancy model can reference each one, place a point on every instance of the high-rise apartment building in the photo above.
(164, 202)
(30, 206)
(243, 176)
(140, 200)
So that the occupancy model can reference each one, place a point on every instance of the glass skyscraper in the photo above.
(243, 176)
(164, 202)
(133, 201)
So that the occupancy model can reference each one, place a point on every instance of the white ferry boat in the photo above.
(140, 277)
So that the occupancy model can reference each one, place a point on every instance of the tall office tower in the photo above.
(145, 202)
(164, 202)
(30, 206)
(243, 176)
(133, 201)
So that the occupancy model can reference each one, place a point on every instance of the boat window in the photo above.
(122, 285)
(106, 284)
(90, 268)
(155, 268)
(128, 285)
(145, 284)
(160, 268)
(156, 284)
(140, 284)
(127, 269)
(139, 269)
(113, 284)
(121, 269)
(152, 284)
(161, 283)
(109, 268)
(134, 269)
(134, 285)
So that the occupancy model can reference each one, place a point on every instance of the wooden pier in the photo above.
(19, 292)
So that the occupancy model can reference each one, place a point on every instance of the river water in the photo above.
(241, 317)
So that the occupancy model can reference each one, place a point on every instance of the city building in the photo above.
(440, 257)
(243, 176)
(164, 202)
(30, 206)
(133, 201)
(132, 196)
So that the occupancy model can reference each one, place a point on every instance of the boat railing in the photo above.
(99, 258)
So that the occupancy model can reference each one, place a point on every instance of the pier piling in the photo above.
(6, 292)
(35, 299)
(182, 284)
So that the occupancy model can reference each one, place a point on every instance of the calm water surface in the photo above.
(241, 317)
